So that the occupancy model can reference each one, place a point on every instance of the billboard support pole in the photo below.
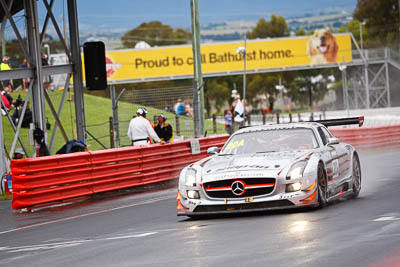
(198, 94)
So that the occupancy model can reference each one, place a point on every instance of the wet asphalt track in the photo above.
(143, 230)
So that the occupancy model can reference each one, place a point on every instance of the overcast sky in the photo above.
(130, 13)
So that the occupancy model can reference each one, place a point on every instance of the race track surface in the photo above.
(142, 229)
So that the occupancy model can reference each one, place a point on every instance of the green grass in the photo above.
(5, 196)
(97, 113)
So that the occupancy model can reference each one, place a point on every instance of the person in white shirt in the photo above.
(140, 130)
(239, 110)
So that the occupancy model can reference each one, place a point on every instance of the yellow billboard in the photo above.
(177, 61)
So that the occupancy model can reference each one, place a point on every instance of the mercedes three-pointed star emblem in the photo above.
(238, 188)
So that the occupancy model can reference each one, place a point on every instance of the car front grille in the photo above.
(248, 187)
(245, 206)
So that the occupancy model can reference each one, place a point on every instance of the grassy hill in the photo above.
(97, 113)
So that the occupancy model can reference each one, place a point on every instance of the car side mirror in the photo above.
(333, 141)
(212, 150)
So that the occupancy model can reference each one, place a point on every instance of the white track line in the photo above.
(86, 214)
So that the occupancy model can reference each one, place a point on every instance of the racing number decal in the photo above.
(335, 169)
(235, 144)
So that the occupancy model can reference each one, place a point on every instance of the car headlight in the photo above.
(190, 177)
(293, 187)
(297, 169)
(193, 194)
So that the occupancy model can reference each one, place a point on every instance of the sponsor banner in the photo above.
(175, 61)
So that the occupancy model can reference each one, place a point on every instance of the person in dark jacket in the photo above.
(163, 129)
(19, 103)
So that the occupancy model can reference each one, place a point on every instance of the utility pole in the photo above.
(198, 90)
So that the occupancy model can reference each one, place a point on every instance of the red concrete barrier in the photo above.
(46, 181)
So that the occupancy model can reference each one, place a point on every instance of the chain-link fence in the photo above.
(156, 101)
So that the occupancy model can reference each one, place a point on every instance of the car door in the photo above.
(341, 162)
(330, 157)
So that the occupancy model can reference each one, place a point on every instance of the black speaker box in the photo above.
(95, 65)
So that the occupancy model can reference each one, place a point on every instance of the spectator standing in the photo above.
(163, 129)
(180, 107)
(228, 121)
(5, 65)
(140, 130)
(188, 109)
(238, 110)
(287, 103)
(25, 81)
(46, 79)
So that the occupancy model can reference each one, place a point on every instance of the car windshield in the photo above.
(273, 140)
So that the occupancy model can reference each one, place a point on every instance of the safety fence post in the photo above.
(290, 117)
(299, 116)
(112, 141)
(277, 118)
(177, 126)
(249, 119)
(264, 118)
(214, 118)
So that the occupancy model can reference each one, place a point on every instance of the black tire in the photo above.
(322, 186)
(356, 176)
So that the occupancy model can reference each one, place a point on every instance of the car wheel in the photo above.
(322, 186)
(356, 176)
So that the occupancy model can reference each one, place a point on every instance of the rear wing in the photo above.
(344, 121)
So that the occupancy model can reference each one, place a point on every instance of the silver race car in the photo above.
(272, 167)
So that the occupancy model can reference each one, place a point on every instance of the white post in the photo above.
(3, 168)
(244, 75)
(361, 39)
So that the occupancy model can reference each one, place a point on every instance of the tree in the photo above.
(264, 84)
(155, 34)
(382, 20)
(303, 86)
(301, 32)
(354, 27)
(217, 93)
(276, 27)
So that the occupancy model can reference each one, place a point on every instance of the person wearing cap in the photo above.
(163, 129)
(19, 154)
(140, 130)
(5, 65)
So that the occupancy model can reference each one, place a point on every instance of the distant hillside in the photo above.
(235, 30)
